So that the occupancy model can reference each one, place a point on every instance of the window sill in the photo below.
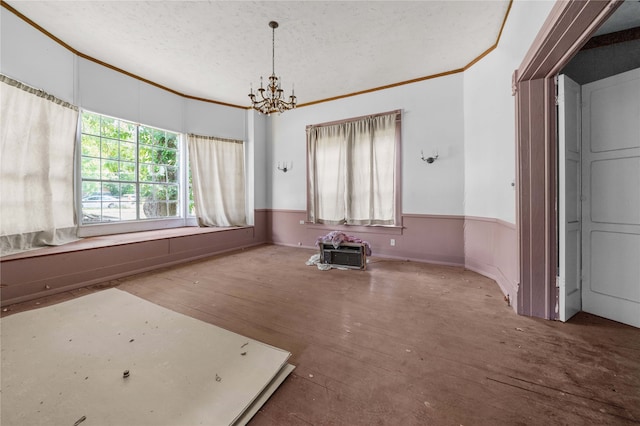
(360, 229)
(127, 227)
(116, 240)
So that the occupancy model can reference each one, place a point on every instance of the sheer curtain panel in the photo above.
(352, 171)
(217, 171)
(37, 143)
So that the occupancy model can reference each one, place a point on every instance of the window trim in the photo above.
(397, 168)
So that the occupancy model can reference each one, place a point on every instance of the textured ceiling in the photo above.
(216, 49)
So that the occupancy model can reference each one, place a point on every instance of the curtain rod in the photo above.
(347, 120)
(215, 138)
(37, 92)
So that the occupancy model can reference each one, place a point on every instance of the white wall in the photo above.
(35, 60)
(209, 119)
(489, 116)
(258, 128)
(432, 120)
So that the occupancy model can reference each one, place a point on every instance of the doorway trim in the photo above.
(567, 28)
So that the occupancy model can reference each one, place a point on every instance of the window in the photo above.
(129, 172)
(353, 173)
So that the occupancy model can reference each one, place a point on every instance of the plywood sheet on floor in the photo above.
(67, 362)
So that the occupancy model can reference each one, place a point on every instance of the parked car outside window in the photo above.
(100, 201)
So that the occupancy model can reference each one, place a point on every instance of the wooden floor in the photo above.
(402, 343)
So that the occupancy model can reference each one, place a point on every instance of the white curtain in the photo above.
(37, 143)
(352, 171)
(217, 171)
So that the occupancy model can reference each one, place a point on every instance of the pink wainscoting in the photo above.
(423, 238)
(491, 249)
(99, 259)
(260, 225)
(430, 238)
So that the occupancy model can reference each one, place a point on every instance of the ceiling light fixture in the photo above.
(272, 100)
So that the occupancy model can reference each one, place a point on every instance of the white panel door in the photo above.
(569, 275)
(611, 197)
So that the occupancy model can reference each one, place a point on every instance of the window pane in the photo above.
(159, 200)
(89, 188)
(167, 156)
(109, 128)
(144, 136)
(127, 131)
(172, 174)
(192, 210)
(99, 206)
(159, 138)
(109, 148)
(91, 124)
(145, 154)
(90, 168)
(147, 172)
(91, 145)
(172, 141)
(159, 173)
(127, 151)
(127, 171)
(109, 170)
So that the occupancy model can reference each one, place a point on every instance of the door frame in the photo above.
(568, 27)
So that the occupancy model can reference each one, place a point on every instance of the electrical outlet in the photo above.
(302, 222)
(392, 242)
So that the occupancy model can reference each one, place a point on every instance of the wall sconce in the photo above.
(429, 159)
(284, 167)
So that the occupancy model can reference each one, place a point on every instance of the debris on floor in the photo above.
(315, 260)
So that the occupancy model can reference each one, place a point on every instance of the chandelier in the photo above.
(271, 99)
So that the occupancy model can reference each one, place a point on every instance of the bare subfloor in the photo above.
(402, 343)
